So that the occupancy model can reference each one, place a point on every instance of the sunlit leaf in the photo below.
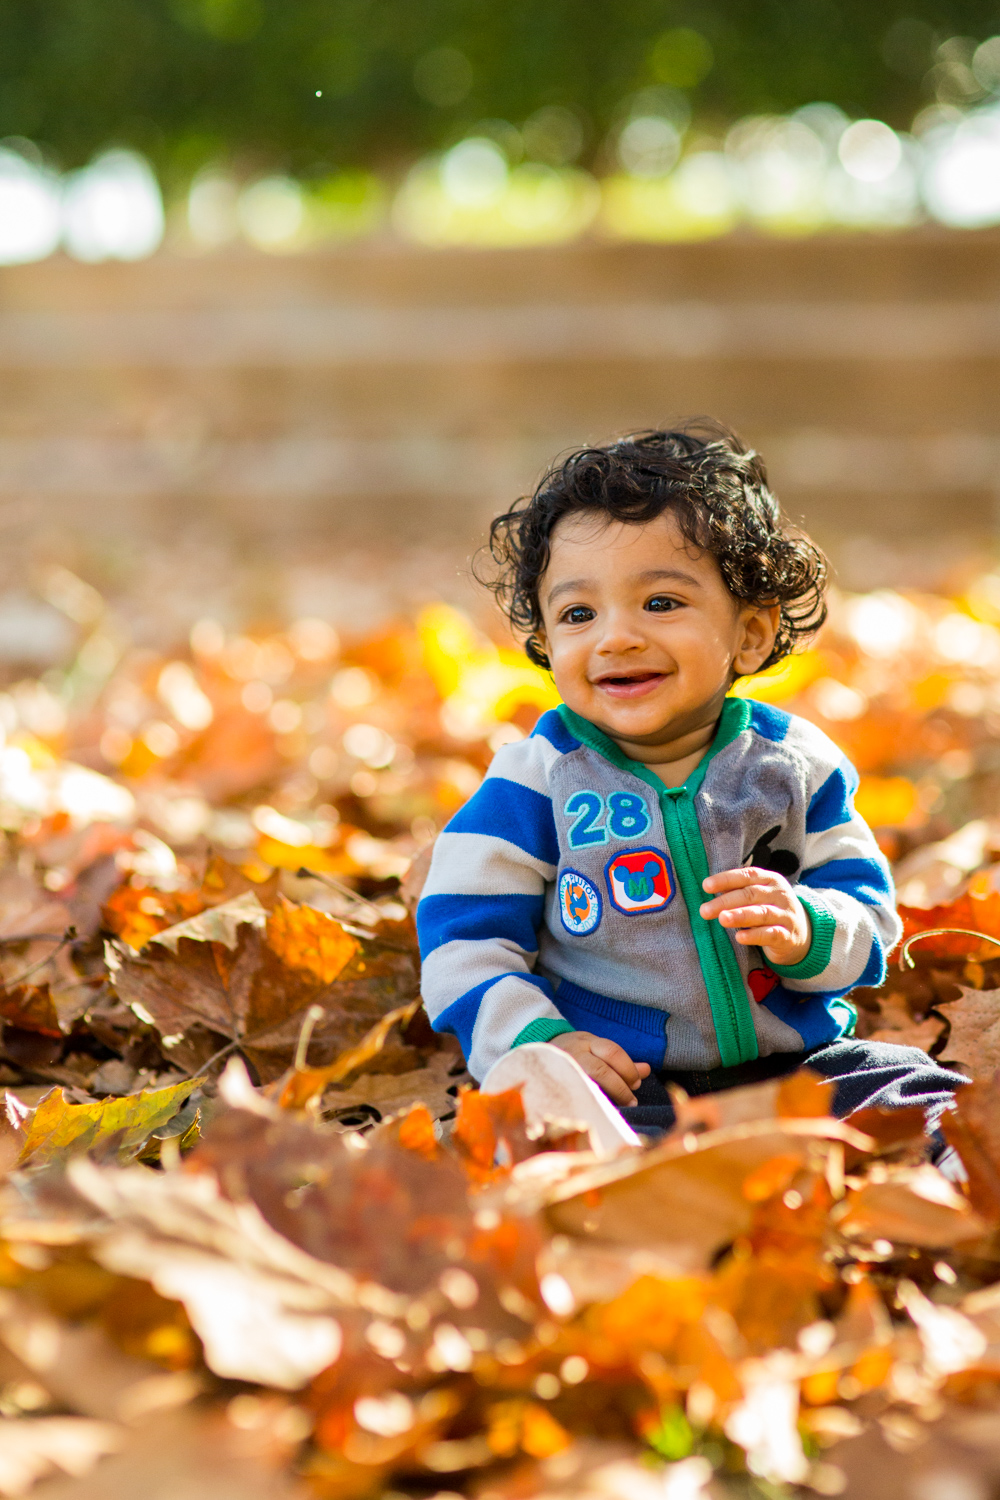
(310, 941)
(56, 1129)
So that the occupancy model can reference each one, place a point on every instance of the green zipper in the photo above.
(727, 992)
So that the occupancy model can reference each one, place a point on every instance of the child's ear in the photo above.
(759, 631)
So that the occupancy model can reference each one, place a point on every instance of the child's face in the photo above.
(643, 636)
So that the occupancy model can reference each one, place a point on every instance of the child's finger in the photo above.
(731, 880)
(616, 1057)
(762, 937)
(745, 895)
(751, 916)
(611, 1082)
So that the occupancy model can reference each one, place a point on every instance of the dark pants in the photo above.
(865, 1073)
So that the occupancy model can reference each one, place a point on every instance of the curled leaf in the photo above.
(306, 1084)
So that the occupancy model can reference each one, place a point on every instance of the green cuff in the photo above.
(824, 925)
(542, 1029)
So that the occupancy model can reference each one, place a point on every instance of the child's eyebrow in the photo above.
(652, 574)
(571, 586)
(649, 575)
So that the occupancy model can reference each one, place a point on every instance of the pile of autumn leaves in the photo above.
(260, 1238)
(217, 1284)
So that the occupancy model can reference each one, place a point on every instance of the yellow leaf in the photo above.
(55, 1129)
(310, 940)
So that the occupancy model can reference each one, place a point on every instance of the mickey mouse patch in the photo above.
(641, 880)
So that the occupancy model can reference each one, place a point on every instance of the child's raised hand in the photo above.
(761, 909)
(605, 1062)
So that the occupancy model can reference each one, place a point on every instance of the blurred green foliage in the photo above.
(317, 84)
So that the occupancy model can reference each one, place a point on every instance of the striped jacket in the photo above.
(564, 896)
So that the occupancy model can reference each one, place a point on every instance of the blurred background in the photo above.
(296, 294)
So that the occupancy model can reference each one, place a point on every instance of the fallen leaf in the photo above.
(197, 1454)
(79, 1365)
(892, 1131)
(310, 941)
(972, 1126)
(263, 1309)
(306, 1084)
(684, 1197)
(56, 1129)
(898, 1025)
(219, 972)
(491, 1133)
(396, 1216)
(138, 913)
(971, 912)
(216, 924)
(803, 1095)
(31, 1448)
(392, 1093)
(975, 1032)
(914, 1206)
(31, 1008)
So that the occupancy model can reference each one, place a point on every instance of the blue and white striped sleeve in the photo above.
(845, 883)
(482, 907)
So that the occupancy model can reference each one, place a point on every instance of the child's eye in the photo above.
(577, 614)
(661, 604)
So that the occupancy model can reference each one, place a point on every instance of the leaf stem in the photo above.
(906, 962)
(67, 937)
(314, 1014)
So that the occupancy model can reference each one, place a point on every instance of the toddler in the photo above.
(668, 882)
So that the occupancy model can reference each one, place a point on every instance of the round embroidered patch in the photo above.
(579, 903)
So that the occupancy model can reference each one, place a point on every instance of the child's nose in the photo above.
(620, 633)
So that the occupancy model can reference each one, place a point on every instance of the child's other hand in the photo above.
(761, 909)
(605, 1062)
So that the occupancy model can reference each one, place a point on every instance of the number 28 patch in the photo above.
(642, 880)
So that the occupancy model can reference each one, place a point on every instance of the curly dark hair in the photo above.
(718, 493)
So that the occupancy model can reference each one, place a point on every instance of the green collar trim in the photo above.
(734, 718)
(727, 992)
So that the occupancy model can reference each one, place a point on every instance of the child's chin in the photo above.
(635, 719)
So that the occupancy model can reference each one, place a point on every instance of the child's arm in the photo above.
(831, 929)
(482, 908)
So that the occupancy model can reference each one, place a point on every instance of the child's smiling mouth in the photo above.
(629, 685)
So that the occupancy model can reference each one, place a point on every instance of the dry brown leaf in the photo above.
(82, 1369)
(923, 1034)
(32, 1008)
(304, 1085)
(684, 1197)
(972, 1126)
(197, 1455)
(913, 1206)
(264, 1309)
(803, 1095)
(391, 1093)
(218, 972)
(975, 1032)
(138, 913)
(31, 1448)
